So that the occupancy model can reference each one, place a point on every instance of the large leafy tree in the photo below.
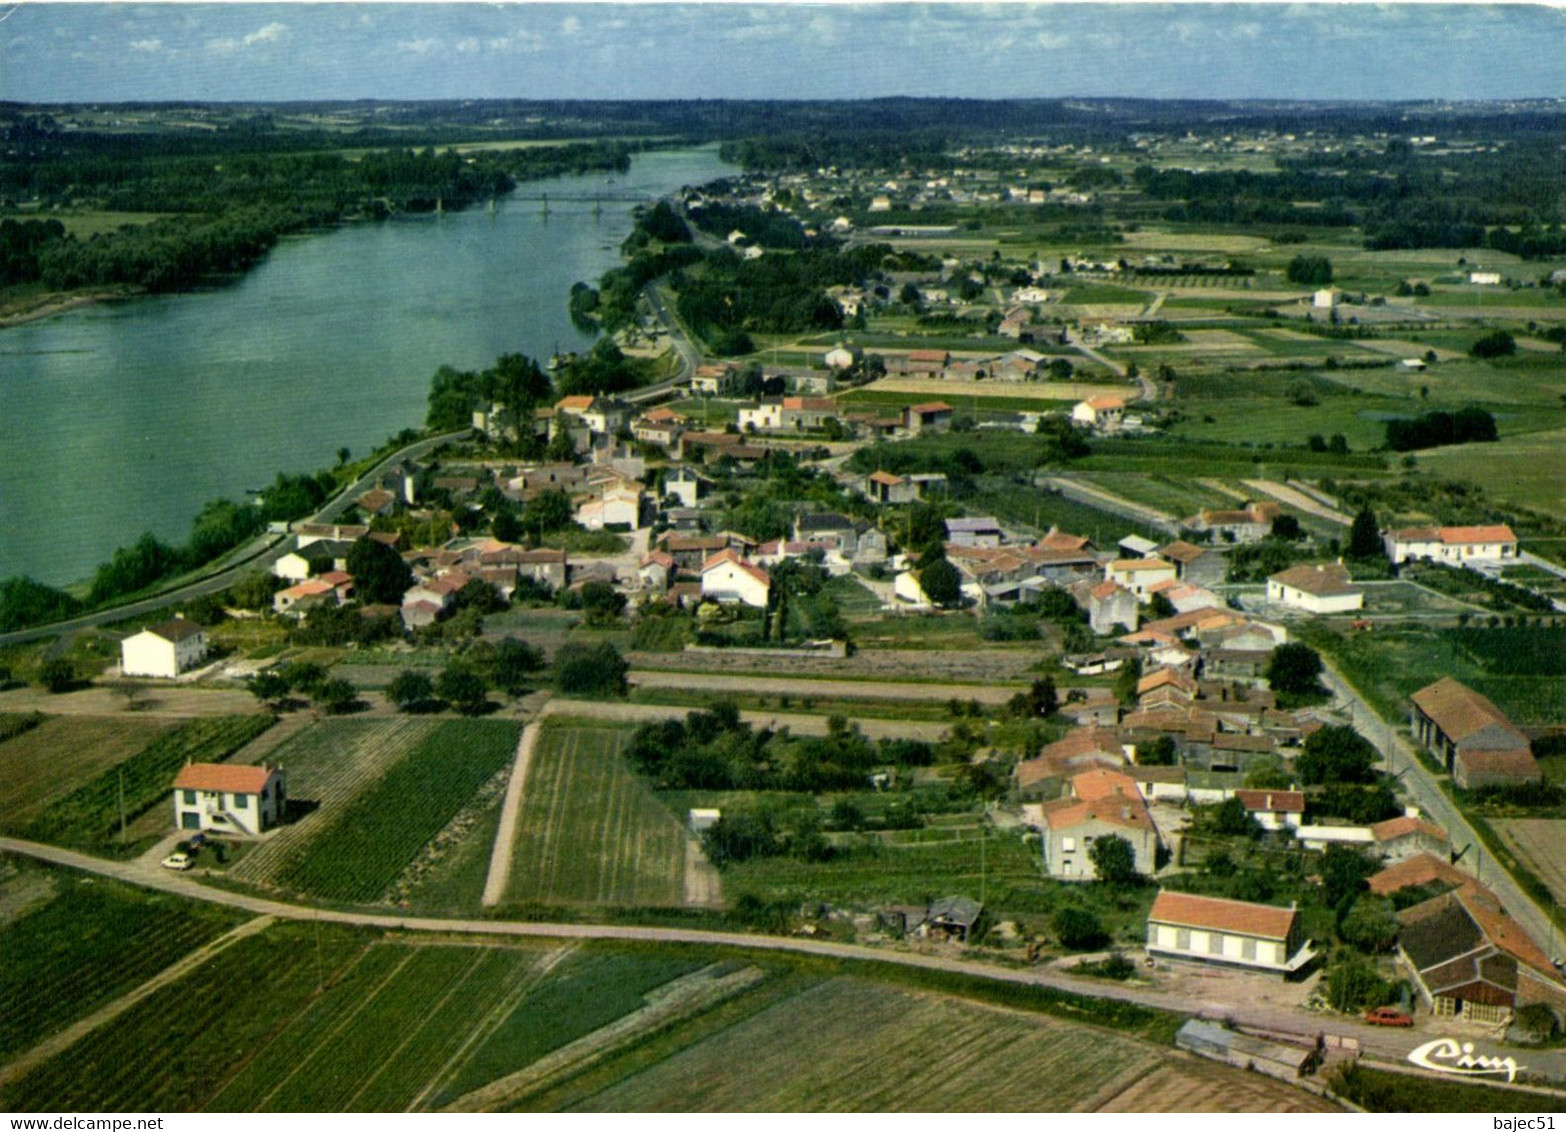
(1336, 754)
(1114, 861)
(1294, 670)
(941, 583)
(380, 576)
(1365, 536)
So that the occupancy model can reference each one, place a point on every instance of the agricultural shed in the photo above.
(1210, 1040)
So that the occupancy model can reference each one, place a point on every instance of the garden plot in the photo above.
(590, 831)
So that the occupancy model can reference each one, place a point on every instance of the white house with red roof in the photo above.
(1104, 803)
(1274, 809)
(1456, 546)
(223, 798)
(728, 578)
(1322, 588)
(166, 649)
(1139, 575)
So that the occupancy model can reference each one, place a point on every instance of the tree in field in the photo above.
(549, 511)
(1310, 270)
(380, 576)
(514, 661)
(463, 690)
(1496, 344)
(1365, 536)
(1294, 670)
(1353, 985)
(1287, 527)
(411, 691)
(1078, 929)
(334, 696)
(1337, 754)
(602, 604)
(57, 675)
(303, 675)
(1114, 861)
(941, 583)
(1343, 873)
(268, 686)
(506, 526)
(590, 670)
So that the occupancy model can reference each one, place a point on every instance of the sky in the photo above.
(61, 52)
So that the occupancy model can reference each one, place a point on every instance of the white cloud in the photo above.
(270, 34)
(1053, 41)
(418, 46)
(468, 45)
(148, 46)
(223, 46)
(570, 26)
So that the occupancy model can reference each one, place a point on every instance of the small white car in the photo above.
(179, 861)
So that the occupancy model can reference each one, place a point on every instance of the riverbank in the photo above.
(50, 303)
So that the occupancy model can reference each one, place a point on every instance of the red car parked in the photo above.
(1387, 1016)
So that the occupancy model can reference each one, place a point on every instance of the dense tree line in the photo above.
(1432, 430)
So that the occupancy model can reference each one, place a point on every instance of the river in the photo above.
(127, 417)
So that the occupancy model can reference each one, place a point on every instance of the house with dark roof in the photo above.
(1479, 746)
(165, 649)
(1472, 961)
(224, 798)
(1198, 565)
(1232, 933)
(978, 530)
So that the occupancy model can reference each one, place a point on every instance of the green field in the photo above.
(92, 942)
(88, 817)
(371, 841)
(45, 763)
(590, 831)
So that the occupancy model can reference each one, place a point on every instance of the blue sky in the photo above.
(122, 51)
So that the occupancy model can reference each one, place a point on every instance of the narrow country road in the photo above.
(1106, 501)
(1425, 791)
(1386, 1044)
(261, 552)
(499, 876)
(1285, 494)
(828, 688)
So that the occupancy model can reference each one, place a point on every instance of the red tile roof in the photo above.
(1417, 870)
(1402, 827)
(1272, 801)
(1239, 916)
(223, 778)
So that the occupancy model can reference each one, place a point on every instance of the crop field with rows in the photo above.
(92, 942)
(372, 839)
(42, 764)
(328, 765)
(88, 817)
(590, 831)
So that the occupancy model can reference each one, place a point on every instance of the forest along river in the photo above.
(127, 417)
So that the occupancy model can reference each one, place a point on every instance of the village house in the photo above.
(714, 380)
(841, 358)
(165, 649)
(1103, 413)
(600, 415)
(929, 417)
(1274, 809)
(377, 501)
(1103, 803)
(1476, 742)
(335, 587)
(1316, 589)
(1406, 837)
(224, 798)
(728, 578)
(1233, 933)
(1252, 524)
(1084, 749)
(319, 556)
(684, 485)
(1471, 961)
(979, 530)
(656, 570)
(1455, 546)
(1139, 575)
(618, 507)
(1201, 566)
(885, 488)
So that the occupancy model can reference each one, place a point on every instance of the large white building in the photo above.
(1228, 932)
(1456, 546)
(163, 650)
(222, 798)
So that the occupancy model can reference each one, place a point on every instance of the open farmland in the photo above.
(88, 816)
(370, 842)
(40, 766)
(92, 942)
(328, 765)
(851, 1046)
(592, 833)
(1541, 843)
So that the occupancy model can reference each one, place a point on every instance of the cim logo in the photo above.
(1447, 1055)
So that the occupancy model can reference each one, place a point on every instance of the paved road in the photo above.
(1391, 1045)
(798, 723)
(690, 357)
(1425, 791)
(262, 552)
